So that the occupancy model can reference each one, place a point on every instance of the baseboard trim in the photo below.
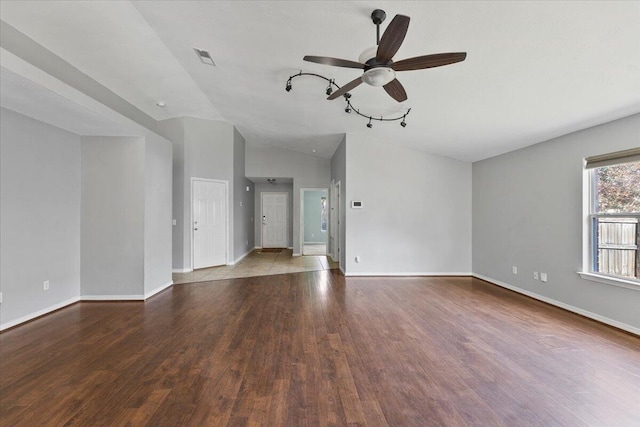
(342, 271)
(181, 270)
(243, 256)
(580, 311)
(157, 290)
(296, 254)
(112, 298)
(313, 243)
(38, 313)
(414, 274)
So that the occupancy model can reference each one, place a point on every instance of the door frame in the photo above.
(286, 216)
(302, 190)
(226, 225)
(335, 213)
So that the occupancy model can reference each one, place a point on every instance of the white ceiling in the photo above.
(534, 70)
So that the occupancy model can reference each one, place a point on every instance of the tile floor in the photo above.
(316, 249)
(259, 264)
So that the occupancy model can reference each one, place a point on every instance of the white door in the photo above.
(274, 220)
(209, 223)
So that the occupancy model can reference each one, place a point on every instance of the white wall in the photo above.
(527, 212)
(273, 188)
(417, 211)
(39, 217)
(112, 223)
(307, 172)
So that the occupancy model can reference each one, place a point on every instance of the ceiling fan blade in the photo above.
(395, 90)
(346, 88)
(392, 38)
(325, 60)
(429, 61)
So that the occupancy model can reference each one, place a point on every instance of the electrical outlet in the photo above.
(535, 275)
(46, 285)
(514, 270)
(543, 277)
(174, 222)
(0, 297)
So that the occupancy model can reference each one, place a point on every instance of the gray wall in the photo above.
(339, 174)
(312, 216)
(173, 130)
(202, 149)
(112, 216)
(273, 188)
(417, 210)
(307, 172)
(527, 212)
(39, 216)
(157, 213)
(243, 231)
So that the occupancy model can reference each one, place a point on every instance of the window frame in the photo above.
(590, 231)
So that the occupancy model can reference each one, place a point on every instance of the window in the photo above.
(615, 215)
(323, 214)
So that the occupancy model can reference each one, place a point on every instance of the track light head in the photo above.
(347, 95)
(329, 90)
(288, 87)
(403, 123)
(347, 110)
(369, 125)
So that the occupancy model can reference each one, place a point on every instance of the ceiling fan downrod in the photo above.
(378, 16)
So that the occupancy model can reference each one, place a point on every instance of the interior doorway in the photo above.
(209, 229)
(314, 220)
(274, 220)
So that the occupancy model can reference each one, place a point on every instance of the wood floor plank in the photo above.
(319, 349)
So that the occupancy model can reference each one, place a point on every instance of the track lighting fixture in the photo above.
(329, 90)
(347, 98)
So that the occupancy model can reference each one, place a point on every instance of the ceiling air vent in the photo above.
(204, 56)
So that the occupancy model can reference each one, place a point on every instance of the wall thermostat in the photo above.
(356, 204)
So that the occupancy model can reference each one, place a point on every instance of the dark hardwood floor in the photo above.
(318, 349)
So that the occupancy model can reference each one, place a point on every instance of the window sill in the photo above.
(610, 280)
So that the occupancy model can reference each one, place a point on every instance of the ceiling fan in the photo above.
(379, 68)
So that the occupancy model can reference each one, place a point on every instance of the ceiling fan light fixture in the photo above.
(367, 54)
(378, 76)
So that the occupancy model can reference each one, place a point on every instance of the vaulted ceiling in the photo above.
(534, 70)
